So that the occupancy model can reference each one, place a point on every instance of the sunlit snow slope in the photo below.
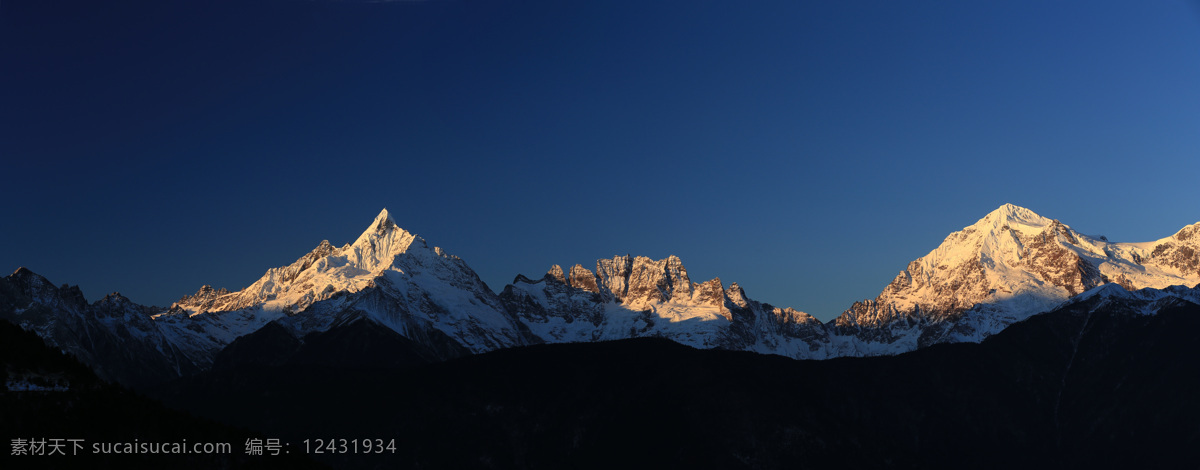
(1008, 265)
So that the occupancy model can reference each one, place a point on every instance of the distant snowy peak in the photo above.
(41, 291)
(640, 283)
(1011, 214)
(378, 245)
(1147, 301)
(113, 335)
(316, 276)
(628, 296)
(1013, 263)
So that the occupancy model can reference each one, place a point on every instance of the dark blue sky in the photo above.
(806, 150)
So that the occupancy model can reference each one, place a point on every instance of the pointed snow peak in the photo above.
(1109, 290)
(1010, 214)
(382, 227)
(382, 241)
(1008, 218)
(737, 295)
(26, 276)
(382, 222)
(22, 273)
(735, 289)
(383, 216)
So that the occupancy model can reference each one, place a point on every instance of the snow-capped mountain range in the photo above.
(1009, 265)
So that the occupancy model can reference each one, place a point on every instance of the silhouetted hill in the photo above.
(1081, 387)
(48, 395)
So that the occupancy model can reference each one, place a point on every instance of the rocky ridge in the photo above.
(628, 296)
